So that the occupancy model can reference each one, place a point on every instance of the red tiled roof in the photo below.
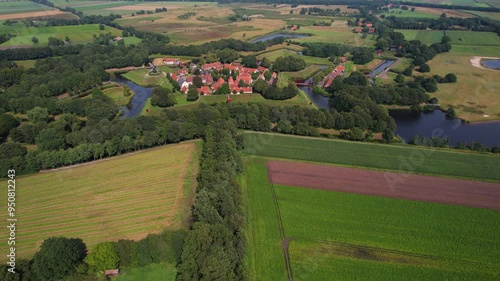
(204, 89)
(173, 76)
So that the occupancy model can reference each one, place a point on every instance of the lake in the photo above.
(428, 124)
(494, 64)
(138, 101)
(272, 36)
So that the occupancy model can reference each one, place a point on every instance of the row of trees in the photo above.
(214, 248)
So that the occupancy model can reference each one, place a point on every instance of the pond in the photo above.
(272, 36)
(381, 67)
(138, 101)
(427, 124)
(494, 64)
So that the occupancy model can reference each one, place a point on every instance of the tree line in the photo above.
(215, 246)
(61, 258)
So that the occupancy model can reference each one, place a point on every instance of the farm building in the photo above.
(112, 272)
(170, 61)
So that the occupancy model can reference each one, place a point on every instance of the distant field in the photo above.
(339, 32)
(425, 36)
(359, 237)
(124, 197)
(491, 15)
(273, 55)
(22, 7)
(472, 3)
(473, 38)
(476, 94)
(376, 156)
(492, 3)
(77, 34)
(409, 14)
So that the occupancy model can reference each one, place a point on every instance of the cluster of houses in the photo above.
(362, 26)
(339, 70)
(239, 85)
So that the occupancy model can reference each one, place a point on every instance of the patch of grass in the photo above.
(22, 7)
(116, 93)
(264, 256)
(491, 15)
(349, 235)
(304, 73)
(106, 199)
(152, 272)
(378, 156)
(76, 33)
(141, 77)
(26, 63)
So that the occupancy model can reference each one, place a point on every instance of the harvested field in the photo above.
(42, 14)
(123, 197)
(386, 184)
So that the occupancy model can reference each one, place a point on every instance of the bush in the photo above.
(424, 68)
(162, 98)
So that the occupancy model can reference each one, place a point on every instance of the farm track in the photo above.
(386, 184)
(285, 242)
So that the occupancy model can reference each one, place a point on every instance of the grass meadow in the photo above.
(360, 237)
(475, 95)
(273, 55)
(457, 37)
(116, 93)
(124, 197)
(376, 156)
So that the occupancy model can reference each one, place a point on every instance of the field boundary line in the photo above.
(284, 241)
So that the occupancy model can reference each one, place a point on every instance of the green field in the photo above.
(22, 7)
(359, 237)
(77, 34)
(349, 235)
(425, 36)
(304, 73)
(473, 38)
(472, 3)
(377, 156)
(491, 15)
(96, 7)
(409, 14)
(457, 37)
(131, 196)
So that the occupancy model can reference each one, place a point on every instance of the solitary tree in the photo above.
(101, 26)
(424, 68)
(192, 93)
(451, 78)
(34, 39)
(58, 257)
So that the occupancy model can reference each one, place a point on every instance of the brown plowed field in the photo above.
(386, 184)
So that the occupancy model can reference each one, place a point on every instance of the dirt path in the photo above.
(476, 62)
(284, 241)
(386, 184)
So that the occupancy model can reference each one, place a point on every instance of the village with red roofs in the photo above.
(241, 84)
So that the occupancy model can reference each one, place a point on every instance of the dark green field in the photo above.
(403, 158)
(359, 237)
